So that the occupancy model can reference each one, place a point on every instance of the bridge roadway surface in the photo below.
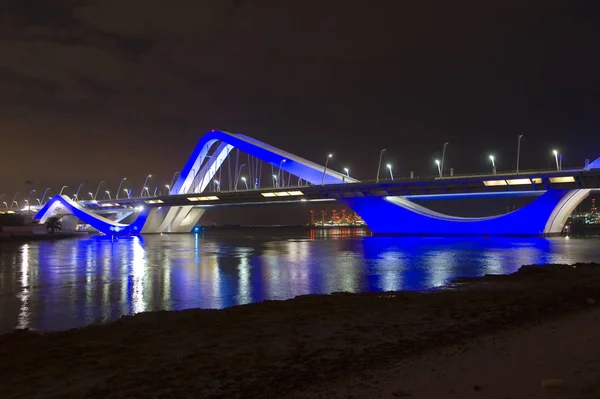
(417, 189)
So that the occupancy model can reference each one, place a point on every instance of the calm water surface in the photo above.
(54, 285)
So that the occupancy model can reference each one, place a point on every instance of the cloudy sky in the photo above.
(99, 89)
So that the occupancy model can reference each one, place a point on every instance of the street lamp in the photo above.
(29, 198)
(98, 189)
(217, 186)
(443, 158)
(39, 202)
(119, 189)
(61, 190)
(389, 166)
(347, 171)
(379, 165)
(279, 170)
(78, 189)
(237, 176)
(493, 164)
(325, 169)
(91, 195)
(44, 196)
(437, 162)
(274, 181)
(127, 192)
(245, 182)
(144, 186)
(518, 150)
(556, 158)
(108, 193)
(5, 204)
(14, 202)
(146, 190)
(173, 180)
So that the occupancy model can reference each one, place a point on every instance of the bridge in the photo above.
(387, 207)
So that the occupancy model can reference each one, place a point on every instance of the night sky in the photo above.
(101, 89)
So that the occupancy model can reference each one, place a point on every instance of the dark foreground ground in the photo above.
(334, 346)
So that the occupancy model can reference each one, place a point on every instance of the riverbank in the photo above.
(336, 345)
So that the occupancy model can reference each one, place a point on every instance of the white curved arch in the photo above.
(564, 209)
(196, 174)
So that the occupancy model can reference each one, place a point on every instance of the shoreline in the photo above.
(279, 348)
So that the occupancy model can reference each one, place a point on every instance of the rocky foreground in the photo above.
(309, 346)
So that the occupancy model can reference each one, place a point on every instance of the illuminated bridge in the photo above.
(388, 207)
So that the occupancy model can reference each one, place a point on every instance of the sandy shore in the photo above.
(497, 336)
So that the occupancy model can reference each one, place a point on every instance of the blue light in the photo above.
(197, 229)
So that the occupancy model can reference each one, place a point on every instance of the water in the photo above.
(55, 285)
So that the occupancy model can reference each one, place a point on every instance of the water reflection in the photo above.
(63, 284)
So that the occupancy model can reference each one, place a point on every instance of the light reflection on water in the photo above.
(51, 285)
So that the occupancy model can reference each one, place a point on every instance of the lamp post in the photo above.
(91, 195)
(108, 193)
(173, 180)
(119, 189)
(44, 196)
(98, 189)
(61, 190)
(389, 166)
(5, 204)
(78, 189)
(237, 176)
(245, 182)
(274, 181)
(443, 158)
(437, 162)
(379, 165)
(556, 158)
(14, 202)
(493, 164)
(127, 192)
(347, 171)
(279, 171)
(146, 190)
(155, 190)
(325, 169)
(144, 186)
(217, 186)
(39, 202)
(518, 150)
(28, 199)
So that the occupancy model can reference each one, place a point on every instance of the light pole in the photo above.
(146, 190)
(28, 199)
(173, 180)
(98, 189)
(44, 196)
(437, 162)
(274, 181)
(14, 201)
(279, 171)
(347, 171)
(119, 189)
(39, 202)
(443, 158)
(556, 158)
(168, 188)
(325, 169)
(379, 165)
(217, 186)
(518, 150)
(78, 189)
(237, 176)
(144, 186)
(245, 182)
(127, 192)
(108, 193)
(61, 190)
(91, 195)
(493, 164)
(389, 166)
(5, 204)
(155, 190)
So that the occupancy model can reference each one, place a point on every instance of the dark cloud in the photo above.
(141, 80)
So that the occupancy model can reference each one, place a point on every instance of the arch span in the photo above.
(545, 215)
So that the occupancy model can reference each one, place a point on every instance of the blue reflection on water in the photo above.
(51, 285)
